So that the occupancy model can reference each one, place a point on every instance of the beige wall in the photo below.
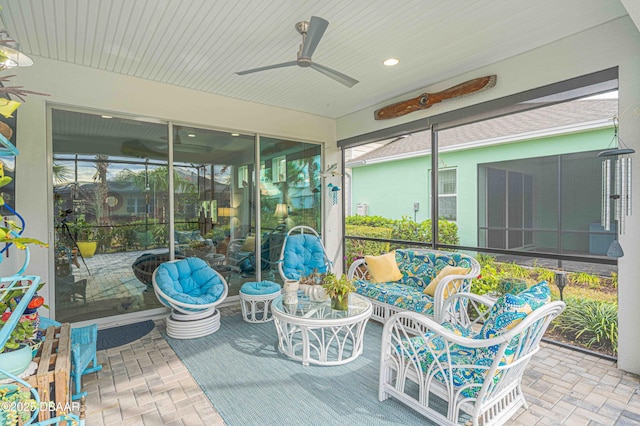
(616, 43)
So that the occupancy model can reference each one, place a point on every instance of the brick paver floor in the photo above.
(145, 383)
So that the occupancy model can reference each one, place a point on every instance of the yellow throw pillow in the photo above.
(447, 270)
(249, 244)
(383, 268)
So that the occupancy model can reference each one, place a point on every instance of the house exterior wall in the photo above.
(377, 184)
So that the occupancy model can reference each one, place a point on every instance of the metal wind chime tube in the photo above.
(629, 186)
(606, 193)
(622, 202)
(616, 187)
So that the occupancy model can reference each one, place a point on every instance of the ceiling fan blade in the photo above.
(337, 76)
(317, 27)
(268, 67)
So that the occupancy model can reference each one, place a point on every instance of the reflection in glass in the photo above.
(213, 200)
(290, 195)
(111, 189)
(110, 207)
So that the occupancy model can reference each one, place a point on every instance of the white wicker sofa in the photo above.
(418, 268)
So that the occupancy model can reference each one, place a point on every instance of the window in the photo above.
(280, 169)
(243, 176)
(447, 194)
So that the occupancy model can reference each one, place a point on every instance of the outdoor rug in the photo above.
(250, 382)
(118, 336)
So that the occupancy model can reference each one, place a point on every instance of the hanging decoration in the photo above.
(616, 188)
(333, 193)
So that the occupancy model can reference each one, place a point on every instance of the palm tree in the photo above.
(101, 165)
(156, 181)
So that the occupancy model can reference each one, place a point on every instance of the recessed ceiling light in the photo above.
(106, 116)
(391, 62)
(235, 134)
(191, 135)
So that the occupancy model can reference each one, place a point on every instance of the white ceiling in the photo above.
(200, 44)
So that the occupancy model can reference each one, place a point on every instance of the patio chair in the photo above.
(241, 252)
(451, 372)
(302, 254)
(83, 353)
(192, 290)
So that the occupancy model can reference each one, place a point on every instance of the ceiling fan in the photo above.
(311, 31)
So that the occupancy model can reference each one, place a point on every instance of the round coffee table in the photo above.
(314, 333)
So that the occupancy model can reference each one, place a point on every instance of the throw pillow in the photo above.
(508, 311)
(537, 295)
(249, 244)
(447, 270)
(383, 268)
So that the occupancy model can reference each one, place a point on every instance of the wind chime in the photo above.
(616, 188)
(333, 193)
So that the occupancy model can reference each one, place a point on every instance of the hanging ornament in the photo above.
(333, 193)
(616, 188)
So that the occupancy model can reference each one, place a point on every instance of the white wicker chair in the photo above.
(440, 367)
(302, 253)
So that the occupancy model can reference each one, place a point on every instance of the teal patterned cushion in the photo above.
(506, 313)
(419, 268)
(397, 294)
(509, 310)
(537, 295)
(426, 349)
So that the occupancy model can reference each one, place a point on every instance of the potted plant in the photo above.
(311, 285)
(338, 289)
(84, 240)
(16, 354)
(16, 405)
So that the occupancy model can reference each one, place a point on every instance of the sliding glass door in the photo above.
(111, 209)
(117, 217)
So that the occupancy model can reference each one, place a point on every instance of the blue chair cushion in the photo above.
(190, 280)
(303, 253)
(256, 288)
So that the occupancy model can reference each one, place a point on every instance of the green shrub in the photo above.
(368, 221)
(356, 249)
(409, 230)
(447, 232)
(487, 281)
(590, 280)
(514, 270)
(544, 274)
(405, 229)
(486, 260)
(614, 279)
(589, 322)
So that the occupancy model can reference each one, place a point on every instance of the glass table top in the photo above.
(306, 308)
